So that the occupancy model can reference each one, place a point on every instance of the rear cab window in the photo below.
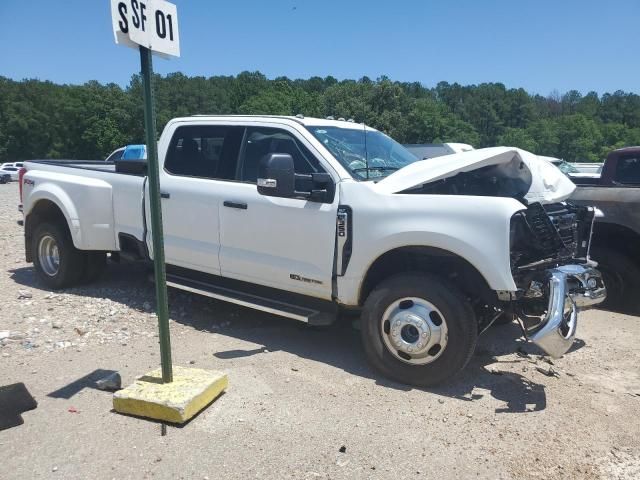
(628, 170)
(204, 151)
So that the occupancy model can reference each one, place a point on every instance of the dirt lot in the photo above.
(298, 395)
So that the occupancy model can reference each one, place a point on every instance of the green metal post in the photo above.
(156, 215)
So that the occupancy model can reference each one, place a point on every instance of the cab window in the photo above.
(204, 151)
(628, 171)
(260, 142)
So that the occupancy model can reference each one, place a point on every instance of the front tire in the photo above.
(58, 263)
(418, 329)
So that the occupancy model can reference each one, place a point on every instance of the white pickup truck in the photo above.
(302, 217)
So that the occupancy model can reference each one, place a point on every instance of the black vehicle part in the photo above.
(95, 265)
(131, 166)
(553, 233)
(131, 248)
(511, 180)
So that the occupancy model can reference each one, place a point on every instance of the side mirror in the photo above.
(276, 175)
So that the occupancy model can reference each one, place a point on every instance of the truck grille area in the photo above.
(553, 233)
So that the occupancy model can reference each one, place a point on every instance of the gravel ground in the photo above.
(302, 403)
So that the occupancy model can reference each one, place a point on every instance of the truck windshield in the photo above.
(348, 145)
(566, 167)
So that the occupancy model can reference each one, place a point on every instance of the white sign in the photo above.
(150, 23)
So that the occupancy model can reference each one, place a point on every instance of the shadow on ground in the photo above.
(88, 381)
(338, 345)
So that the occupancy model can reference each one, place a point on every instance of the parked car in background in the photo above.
(135, 152)
(431, 150)
(570, 169)
(305, 217)
(11, 170)
(128, 152)
(616, 235)
(588, 167)
(5, 178)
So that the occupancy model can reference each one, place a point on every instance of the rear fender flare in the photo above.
(56, 195)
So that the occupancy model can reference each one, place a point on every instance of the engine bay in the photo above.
(550, 235)
(489, 181)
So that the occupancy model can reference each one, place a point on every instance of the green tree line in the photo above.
(41, 119)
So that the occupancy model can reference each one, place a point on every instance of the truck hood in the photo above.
(539, 178)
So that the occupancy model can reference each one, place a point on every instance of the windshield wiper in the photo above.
(380, 169)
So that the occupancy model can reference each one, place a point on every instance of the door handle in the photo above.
(240, 205)
(165, 195)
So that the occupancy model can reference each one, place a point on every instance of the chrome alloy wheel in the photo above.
(414, 330)
(49, 255)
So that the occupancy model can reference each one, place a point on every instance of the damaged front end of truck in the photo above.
(551, 267)
(549, 237)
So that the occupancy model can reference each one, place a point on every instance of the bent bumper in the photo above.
(571, 288)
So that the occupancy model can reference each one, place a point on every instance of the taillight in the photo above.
(21, 173)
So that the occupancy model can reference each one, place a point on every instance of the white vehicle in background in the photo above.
(572, 170)
(11, 169)
(303, 217)
(594, 168)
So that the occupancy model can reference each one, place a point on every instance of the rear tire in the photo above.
(621, 276)
(423, 300)
(58, 263)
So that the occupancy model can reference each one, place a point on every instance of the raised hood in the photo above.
(536, 179)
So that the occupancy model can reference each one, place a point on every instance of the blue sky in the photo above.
(540, 45)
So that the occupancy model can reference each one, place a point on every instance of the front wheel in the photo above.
(418, 329)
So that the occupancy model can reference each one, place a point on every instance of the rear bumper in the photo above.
(571, 288)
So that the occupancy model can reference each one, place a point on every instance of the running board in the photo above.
(296, 312)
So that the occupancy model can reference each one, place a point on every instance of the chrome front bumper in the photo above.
(571, 288)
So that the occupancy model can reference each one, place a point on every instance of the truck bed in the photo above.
(96, 165)
(99, 202)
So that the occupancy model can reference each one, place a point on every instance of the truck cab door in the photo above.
(284, 243)
(199, 158)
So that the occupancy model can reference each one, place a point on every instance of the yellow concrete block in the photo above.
(192, 389)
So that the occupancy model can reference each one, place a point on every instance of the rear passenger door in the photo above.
(285, 243)
(199, 161)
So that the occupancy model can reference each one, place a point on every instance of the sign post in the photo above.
(152, 27)
(155, 205)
